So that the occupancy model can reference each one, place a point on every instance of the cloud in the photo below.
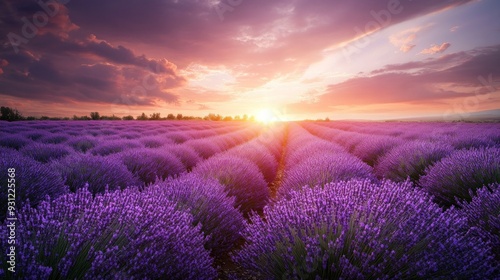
(403, 41)
(251, 34)
(141, 45)
(61, 66)
(436, 49)
(452, 76)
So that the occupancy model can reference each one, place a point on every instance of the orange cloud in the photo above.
(434, 49)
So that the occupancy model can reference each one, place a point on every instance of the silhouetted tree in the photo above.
(95, 115)
(9, 114)
(110, 118)
(128, 118)
(155, 116)
(170, 117)
(227, 118)
(179, 116)
(142, 117)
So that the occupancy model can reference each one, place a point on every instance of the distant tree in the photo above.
(227, 118)
(155, 116)
(214, 117)
(252, 118)
(95, 115)
(110, 118)
(327, 119)
(9, 114)
(245, 117)
(170, 117)
(237, 118)
(75, 117)
(31, 118)
(142, 117)
(44, 118)
(179, 116)
(128, 118)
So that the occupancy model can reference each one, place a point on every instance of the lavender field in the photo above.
(243, 200)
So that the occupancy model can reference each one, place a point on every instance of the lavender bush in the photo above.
(178, 137)
(205, 147)
(210, 206)
(311, 149)
(155, 141)
(34, 134)
(54, 138)
(260, 155)
(241, 178)
(187, 155)
(321, 169)
(105, 148)
(455, 176)
(46, 152)
(410, 160)
(82, 143)
(96, 171)
(483, 212)
(362, 230)
(34, 180)
(119, 235)
(14, 141)
(149, 165)
(372, 147)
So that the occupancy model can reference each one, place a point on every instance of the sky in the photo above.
(294, 59)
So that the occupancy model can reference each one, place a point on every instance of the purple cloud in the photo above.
(425, 81)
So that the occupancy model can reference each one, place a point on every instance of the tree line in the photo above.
(11, 114)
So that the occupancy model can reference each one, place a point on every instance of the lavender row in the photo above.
(311, 161)
(359, 230)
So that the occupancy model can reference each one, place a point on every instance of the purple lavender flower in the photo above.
(483, 212)
(372, 147)
(82, 143)
(155, 141)
(96, 171)
(260, 155)
(241, 178)
(323, 168)
(46, 152)
(125, 234)
(54, 138)
(150, 165)
(463, 171)
(361, 230)
(410, 160)
(205, 147)
(33, 181)
(187, 155)
(14, 141)
(210, 206)
(109, 147)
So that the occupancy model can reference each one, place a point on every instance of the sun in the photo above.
(266, 116)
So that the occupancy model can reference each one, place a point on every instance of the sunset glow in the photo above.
(266, 116)
(311, 59)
